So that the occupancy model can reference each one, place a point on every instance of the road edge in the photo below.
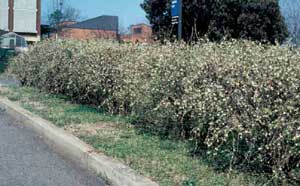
(73, 148)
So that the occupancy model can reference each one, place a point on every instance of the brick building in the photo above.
(140, 33)
(105, 27)
(22, 17)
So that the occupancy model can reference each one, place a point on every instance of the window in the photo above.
(137, 30)
(18, 41)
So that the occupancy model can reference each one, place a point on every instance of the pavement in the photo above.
(8, 81)
(25, 160)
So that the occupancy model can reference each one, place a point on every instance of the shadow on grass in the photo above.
(3, 64)
(219, 163)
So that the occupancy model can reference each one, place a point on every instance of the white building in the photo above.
(22, 17)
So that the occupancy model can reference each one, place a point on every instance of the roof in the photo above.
(109, 23)
(11, 34)
(140, 24)
(3, 32)
(67, 23)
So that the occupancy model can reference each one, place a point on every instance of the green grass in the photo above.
(165, 161)
(57, 109)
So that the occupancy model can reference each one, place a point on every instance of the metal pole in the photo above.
(180, 20)
(58, 10)
(57, 21)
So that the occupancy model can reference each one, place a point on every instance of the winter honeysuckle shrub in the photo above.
(251, 106)
(88, 72)
(239, 101)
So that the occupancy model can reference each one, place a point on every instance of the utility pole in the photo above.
(57, 21)
(180, 20)
(58, 11)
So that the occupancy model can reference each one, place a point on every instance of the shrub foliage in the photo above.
(236, 100)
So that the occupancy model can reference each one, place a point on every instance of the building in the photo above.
(105, 27)
(3, 32)
(22, 17)
(12, 41)
(140, 33)
(66, 23)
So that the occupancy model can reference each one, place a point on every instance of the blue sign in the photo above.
(175, 8)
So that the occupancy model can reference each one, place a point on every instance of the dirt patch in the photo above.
(92, 129)
(37, 105)
(4, 90)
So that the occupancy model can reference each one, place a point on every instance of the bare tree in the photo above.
(123, 30)
(60, 12)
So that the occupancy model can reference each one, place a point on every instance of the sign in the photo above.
(175, 9)
(176, 13)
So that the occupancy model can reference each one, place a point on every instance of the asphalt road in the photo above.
(26, 161)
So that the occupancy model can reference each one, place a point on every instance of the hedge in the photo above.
(237, 101)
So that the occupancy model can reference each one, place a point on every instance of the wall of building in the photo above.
(85, 34)
(25, 16)
(144, 37)
(4, 15)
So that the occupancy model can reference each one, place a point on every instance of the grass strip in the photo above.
(166, 161)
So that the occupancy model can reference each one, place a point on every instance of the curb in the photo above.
(73, 148)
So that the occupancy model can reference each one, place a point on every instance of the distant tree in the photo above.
(248, 19)
(255, 20)
(62, 12)
(158, 14)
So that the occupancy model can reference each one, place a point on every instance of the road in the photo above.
(26, 161)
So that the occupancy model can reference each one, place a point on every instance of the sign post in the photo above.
(176, 12)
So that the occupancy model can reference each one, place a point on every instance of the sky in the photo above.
(129, 11)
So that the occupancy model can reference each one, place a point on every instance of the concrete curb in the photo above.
(73, 148)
